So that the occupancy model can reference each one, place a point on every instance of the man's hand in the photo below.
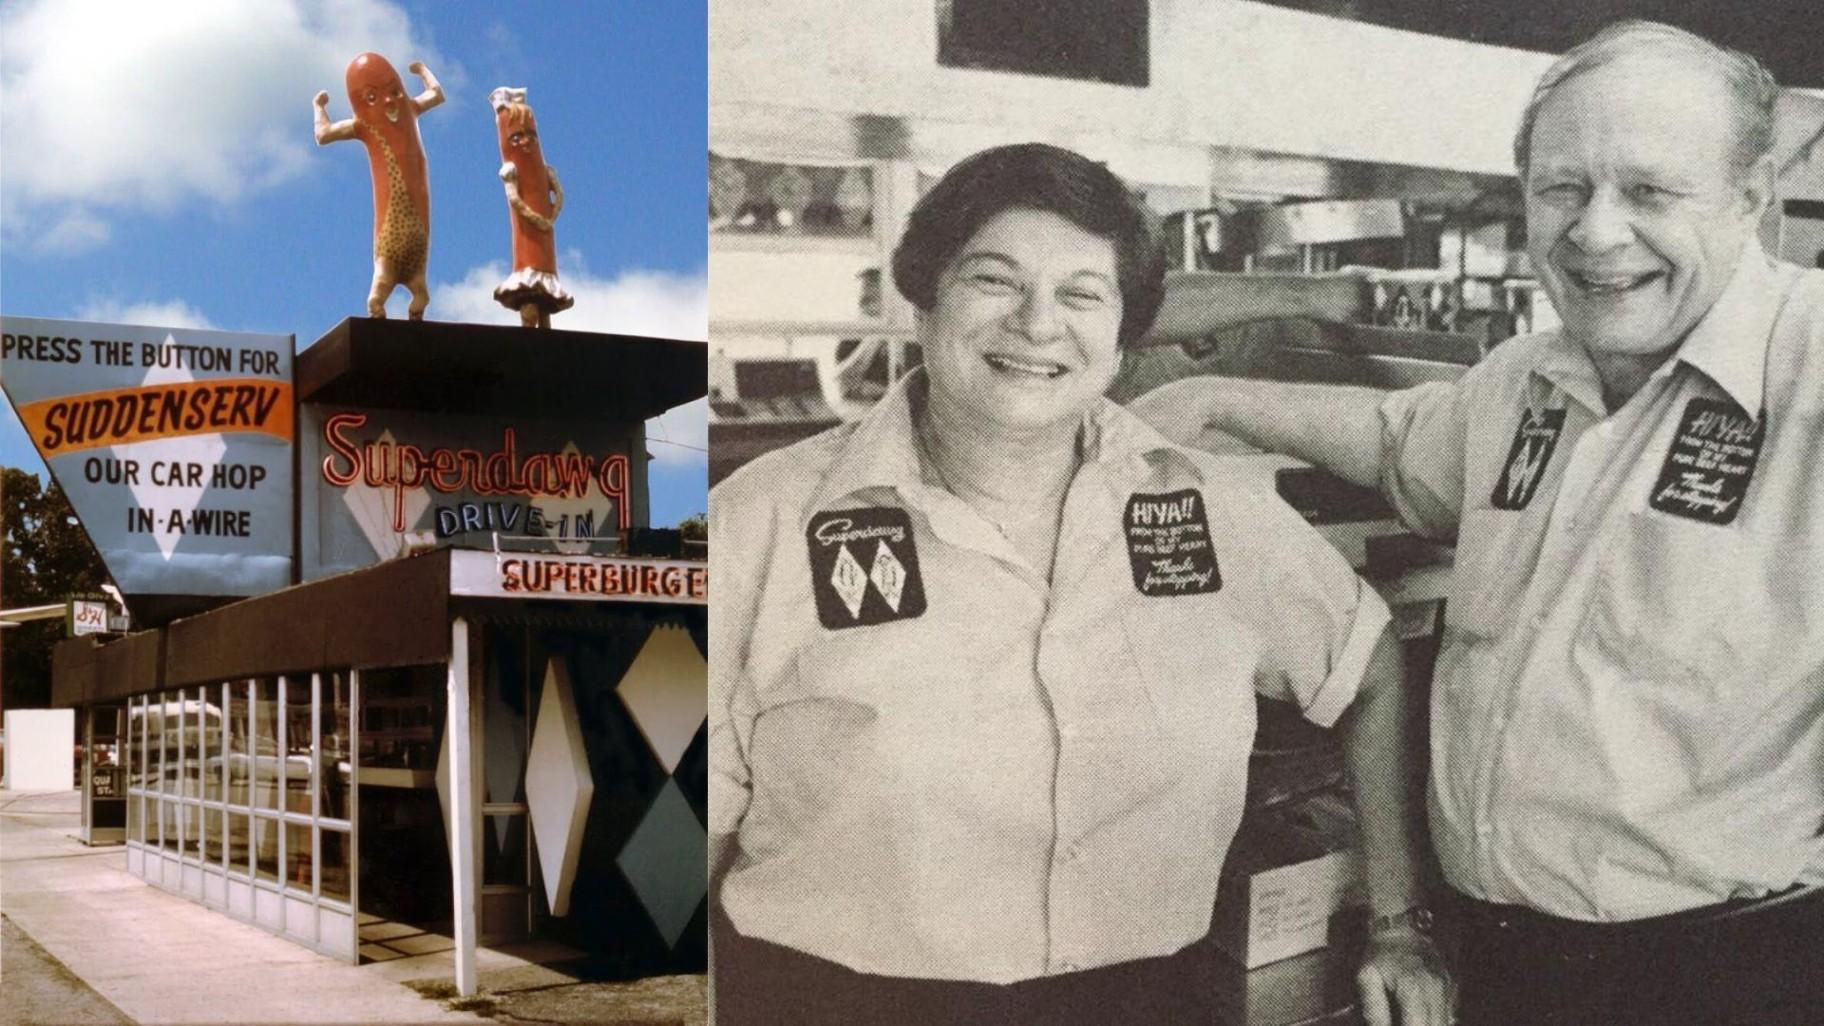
(322, 98)
(1402, 970)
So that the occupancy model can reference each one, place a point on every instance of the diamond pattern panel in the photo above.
(850, 580)
(666, 690)
(558, 785)
(661, 861)
(889, 575)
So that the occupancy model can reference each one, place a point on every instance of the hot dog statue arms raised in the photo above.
(386, 122)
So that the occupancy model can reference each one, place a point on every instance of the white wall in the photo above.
(1223, 73)
(40, 749)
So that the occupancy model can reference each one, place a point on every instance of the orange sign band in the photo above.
(143, 413)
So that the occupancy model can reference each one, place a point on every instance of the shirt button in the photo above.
(1068, 855)
(1068, 967)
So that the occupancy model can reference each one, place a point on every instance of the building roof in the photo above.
(480, 369)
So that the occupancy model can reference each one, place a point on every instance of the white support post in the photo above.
(465, 811)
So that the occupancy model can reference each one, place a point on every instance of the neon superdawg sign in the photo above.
(403, 468)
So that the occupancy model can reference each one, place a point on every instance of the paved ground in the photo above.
(95, 945)
(40, 990)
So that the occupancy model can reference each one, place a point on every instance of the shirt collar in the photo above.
(883, 449)
(1729, 344)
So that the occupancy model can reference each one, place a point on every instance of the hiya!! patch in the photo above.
(1710, 463)
(1168, 543)
(864, 567)
(1535, 439)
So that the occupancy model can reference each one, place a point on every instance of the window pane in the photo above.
(192, 713)
(266, 744)
(297, 856)
(156, 740)
(167, 819)
(239, 841)
(503, 850)
(135, 825)
(300, 754)
(212, 742)
(235, 709)
(334, 867)
(212, 835)
(337, 756)
(192, 818)
(266, 848)
(170, 732)
(136, 742)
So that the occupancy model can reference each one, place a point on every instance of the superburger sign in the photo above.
(589, 578)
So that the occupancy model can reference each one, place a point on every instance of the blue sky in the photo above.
(157, 167)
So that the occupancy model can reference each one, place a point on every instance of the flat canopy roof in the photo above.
(488, 369)
(395, 613)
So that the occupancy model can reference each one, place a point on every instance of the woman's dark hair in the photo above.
(1038, 177)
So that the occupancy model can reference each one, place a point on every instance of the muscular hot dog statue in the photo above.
(386, 122)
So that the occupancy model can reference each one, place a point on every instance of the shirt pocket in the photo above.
(1494, 556)
(1688, 606)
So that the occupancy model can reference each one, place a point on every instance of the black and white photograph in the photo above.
(1266, 513)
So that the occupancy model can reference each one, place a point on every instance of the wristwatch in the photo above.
(1418, 917)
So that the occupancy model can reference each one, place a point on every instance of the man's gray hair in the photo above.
(1751, 86)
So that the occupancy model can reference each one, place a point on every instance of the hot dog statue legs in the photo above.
(534, 198)
(386, 121)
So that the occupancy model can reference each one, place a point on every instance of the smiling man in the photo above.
(1627, 787)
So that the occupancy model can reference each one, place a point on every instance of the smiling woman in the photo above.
(982, 693)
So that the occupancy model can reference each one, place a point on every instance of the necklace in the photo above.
(1008, 527)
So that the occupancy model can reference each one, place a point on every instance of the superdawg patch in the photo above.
(1168, 543)
(1535, 439)
(1710, 464)
(864, 567)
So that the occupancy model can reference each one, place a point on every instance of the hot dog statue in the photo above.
(534, 198)
(386, 122)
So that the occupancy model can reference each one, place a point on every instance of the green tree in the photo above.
(45, 557)
(695, 527)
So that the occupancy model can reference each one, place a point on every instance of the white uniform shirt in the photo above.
(938, 766)
(1628, 710)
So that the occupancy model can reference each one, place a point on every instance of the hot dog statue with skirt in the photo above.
(386, 122)
(534, 198)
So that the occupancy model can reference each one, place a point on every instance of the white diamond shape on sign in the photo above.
(666, 690)
(850, 580)
(205, 451)
(373, 510)
(888, 574)
(564, 515)
(558, 785)
(664, 862)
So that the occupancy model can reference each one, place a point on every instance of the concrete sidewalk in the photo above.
(161, 959)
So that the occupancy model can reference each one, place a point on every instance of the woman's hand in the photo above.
(1402, 969)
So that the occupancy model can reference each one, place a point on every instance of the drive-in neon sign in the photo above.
(504, 471)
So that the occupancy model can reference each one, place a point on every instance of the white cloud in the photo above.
(76, 231)
(655, 303)
(109, 107)
(170, 313)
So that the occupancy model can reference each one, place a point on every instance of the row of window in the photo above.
(271, 744)
(278, 850)
(253, 777)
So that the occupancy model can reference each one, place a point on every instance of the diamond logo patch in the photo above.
(889, 575)
(849, 580)
(853, 594)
